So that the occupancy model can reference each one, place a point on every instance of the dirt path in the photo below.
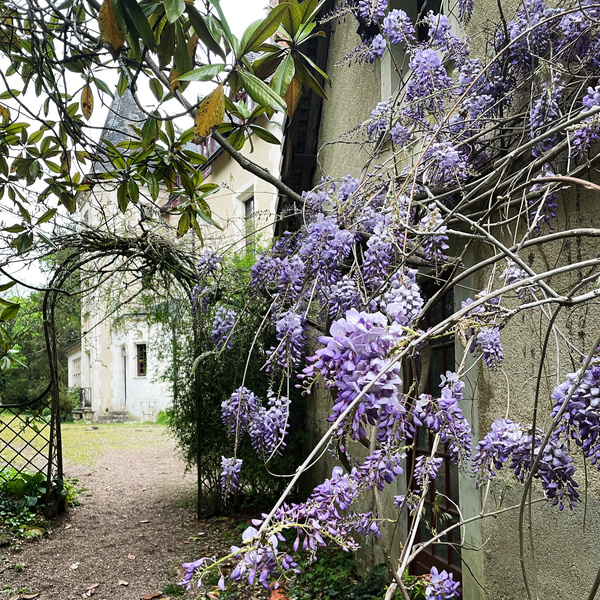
(137, 525)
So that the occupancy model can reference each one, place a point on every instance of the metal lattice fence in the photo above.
(31, 442)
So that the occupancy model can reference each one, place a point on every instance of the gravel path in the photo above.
(135, 527)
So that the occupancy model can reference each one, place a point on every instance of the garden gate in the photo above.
(31, 442)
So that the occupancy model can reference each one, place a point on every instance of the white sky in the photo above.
(239, 14)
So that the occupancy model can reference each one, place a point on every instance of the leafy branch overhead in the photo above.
(165, 47)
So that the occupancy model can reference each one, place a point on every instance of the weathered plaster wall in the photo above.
(565, 543)
(354, 91)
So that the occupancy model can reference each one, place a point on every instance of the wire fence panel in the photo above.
(30, 442)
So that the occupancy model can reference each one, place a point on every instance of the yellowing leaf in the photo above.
(87, 102)
(109, 29)
(191, 46)
(174, 81)
(292, 95)
(210, 113)
(4, 112)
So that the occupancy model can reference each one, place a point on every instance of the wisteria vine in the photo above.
(350, 294)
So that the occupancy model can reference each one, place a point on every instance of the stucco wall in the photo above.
(565, 543)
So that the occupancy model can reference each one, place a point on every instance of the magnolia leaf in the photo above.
(191, 47)
(264, 134)
(140, 22)
(122, 197)
(210, 113)
(87, 102)
(156, 88)
(283, 75)
(174, 80)
(237, 139)
(203, 31)
(10, 312)
(292, 95)
(184, 223)
(292, 19)
(261, 30)
(203, 73)
(174, 9)
(260, 92)
(109, 29)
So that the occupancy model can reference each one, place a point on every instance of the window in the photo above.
(249, 227)
(142, 360)
(439, 507)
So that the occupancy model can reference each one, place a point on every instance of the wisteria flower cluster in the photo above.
(355, 361)
(445, 417)
(267, 427)
(515, 443)
(223, 324)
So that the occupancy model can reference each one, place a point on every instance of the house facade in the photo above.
(121, 362)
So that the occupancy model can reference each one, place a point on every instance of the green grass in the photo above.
(82, 447)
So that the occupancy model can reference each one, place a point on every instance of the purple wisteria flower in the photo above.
(325, 247)
(400, 134)
(291, 334)
(543, 115)
(223, 324)
(465, 10)
(445, 164)
(444, 416)
(356, 360)
(236, 411)
(268, 427)
(230, 475)
(429, 80)
(426, 468)
(434, 243)
(441, 586)
(379, 120)
(398, 28)
(509, 441)
(488, 344)
(581, 419)
(403, 301)
(342, 296)
(512, 274)
(372, 10)
(589, 132)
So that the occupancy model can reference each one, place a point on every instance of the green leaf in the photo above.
(184, 223)
(23, 242)
(261, 30)
(174, 9)
(140, 22)
(228, 35)
(7, 286)
(46, 216)
(122, 197)
(264, 134)
(237, 139)
(260, 92)
(293, 18)
(156, 88)
(203, 31)
(133, 190)
(103, 87)
(14, 228)
(203, 73)
(122, 85)
(283, 75)
(149, 132)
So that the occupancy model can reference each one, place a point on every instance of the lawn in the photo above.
(23, 440)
